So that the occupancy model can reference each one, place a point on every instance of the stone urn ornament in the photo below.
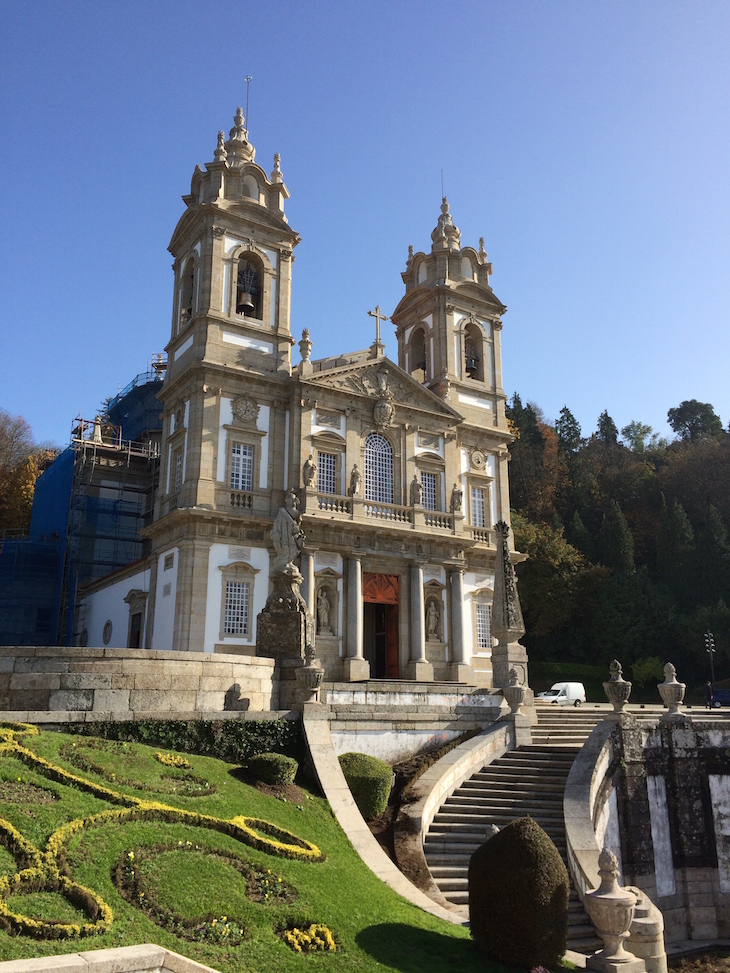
(671, 691)
(309, 677)
(617, 689)
(611, 909)
(514, 693)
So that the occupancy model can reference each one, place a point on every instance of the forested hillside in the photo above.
(627, 537)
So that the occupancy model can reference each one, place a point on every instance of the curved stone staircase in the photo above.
(529, 780)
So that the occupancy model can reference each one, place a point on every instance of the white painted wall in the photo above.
(165, 597)
(220, 555)
(661, 837)
(108, 604)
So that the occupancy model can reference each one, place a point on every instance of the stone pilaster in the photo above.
(460, 666)
(354, 667)
(418, 667)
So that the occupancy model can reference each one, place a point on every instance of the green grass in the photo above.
(373, 927)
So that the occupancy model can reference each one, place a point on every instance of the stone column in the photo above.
(307, 562)
(354, 667)
(418, 668)
(460, 666)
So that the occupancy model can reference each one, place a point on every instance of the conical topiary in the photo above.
(518, 897)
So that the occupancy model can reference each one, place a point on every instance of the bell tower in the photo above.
(233, 253)
(448, 324)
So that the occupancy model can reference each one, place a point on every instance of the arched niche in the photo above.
(474, 351)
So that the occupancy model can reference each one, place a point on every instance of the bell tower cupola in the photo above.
(233, 255)
(448, 323)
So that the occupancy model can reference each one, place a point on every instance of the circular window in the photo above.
(107, 633)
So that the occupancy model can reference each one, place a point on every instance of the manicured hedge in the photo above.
(273, 768)
(370, 781)
(518, 897)
(233, 740)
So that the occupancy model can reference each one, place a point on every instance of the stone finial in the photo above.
(672, 692)
(611, 909)
(482, 251)
(220, 154)
(305, 345)
(445, 234)
(238, 132)
(276, 175)
(238, 147)
(410, 252)
(617, 689)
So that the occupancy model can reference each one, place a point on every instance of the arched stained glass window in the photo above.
(378, 469)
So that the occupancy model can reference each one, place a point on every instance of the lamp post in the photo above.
(710, 646)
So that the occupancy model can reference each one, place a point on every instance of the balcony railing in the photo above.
(242, 499)
(388, 511)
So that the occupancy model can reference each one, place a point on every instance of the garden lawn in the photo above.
(197, 890)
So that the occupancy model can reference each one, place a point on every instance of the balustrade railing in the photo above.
(388, 511)
(483, 535)
(339, 505)
(438, 520)
(241, 500)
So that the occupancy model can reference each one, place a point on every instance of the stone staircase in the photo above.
(530, 780)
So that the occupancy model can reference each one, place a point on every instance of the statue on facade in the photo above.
(456, 499)
(432, 622)
(416, 491)
(323, 613)
(309, 472)
(355, 481)
(286, 534)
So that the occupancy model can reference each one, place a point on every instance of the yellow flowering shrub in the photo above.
(173, 760)
(315, 938)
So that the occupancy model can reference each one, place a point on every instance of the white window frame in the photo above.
(479, 498)
(378, 465)
(430, 491)
(241, 466)
(238, 578)
(237, 608)
(327, 472)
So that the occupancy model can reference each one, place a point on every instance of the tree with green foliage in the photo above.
(607, 432)
(640, 437)
(675, 552)
(568, 432)
(580, 537)
(693, 420)
(615, 543)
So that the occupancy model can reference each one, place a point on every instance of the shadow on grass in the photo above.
(412, 950)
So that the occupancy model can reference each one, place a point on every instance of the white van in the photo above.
(565, 694)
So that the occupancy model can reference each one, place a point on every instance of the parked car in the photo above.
(721, 697)
(565, 694)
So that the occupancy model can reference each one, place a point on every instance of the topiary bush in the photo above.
(273, 768)
(369, 780)
(518, 897)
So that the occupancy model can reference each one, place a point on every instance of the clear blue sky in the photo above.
(588, 142)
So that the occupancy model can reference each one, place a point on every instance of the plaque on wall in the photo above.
(331, 419)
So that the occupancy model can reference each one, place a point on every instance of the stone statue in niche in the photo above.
(456, 499)
(323, 613)
(286, 534)
(416, 491)
(355, 481)
(432, 622)
(309, 473)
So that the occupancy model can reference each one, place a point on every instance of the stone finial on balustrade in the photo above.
(514, 693)
(617, 689)
(611, 909)
(672, 692)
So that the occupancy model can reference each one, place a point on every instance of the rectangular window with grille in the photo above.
(428, 481)
(478, 507)
(484, 626)
(326, 473)
(241, 467)
(236, 616)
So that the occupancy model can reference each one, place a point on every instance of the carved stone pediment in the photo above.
(386, 384)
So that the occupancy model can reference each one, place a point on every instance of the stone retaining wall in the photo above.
(138, 682)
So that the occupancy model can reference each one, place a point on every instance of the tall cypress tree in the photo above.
(675, 553)
(615, 543)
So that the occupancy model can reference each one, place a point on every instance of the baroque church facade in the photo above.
(396, 472)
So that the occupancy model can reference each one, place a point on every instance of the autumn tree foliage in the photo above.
(627, 536)
(21, 463)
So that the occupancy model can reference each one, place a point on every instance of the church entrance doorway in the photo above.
(380, 624)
